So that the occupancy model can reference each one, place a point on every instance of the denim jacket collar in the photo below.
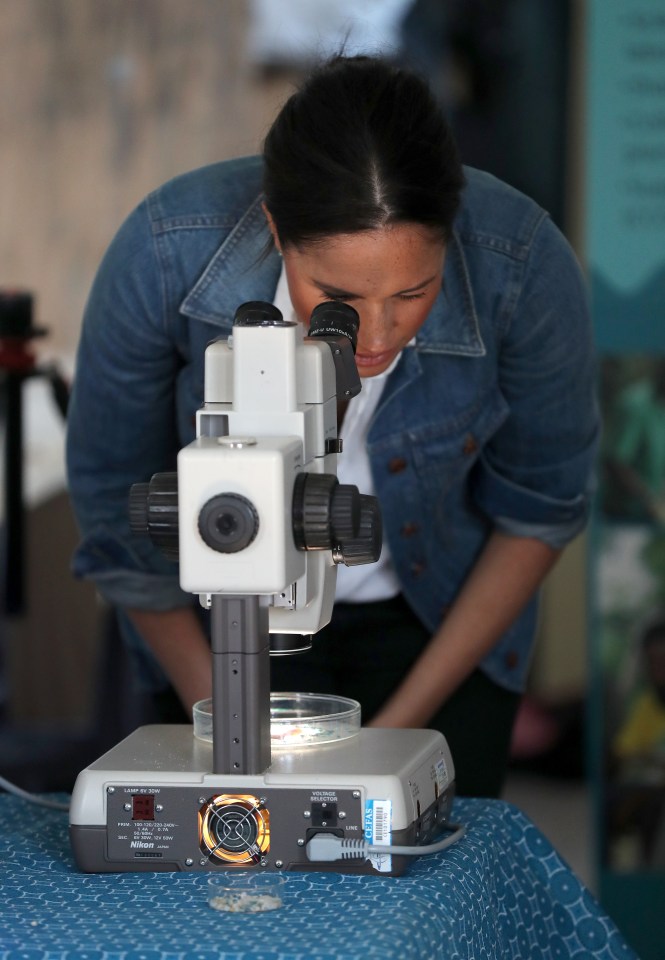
(452, 326)
(239, 266)
(238, 272)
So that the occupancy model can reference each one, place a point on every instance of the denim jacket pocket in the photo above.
(444, 451)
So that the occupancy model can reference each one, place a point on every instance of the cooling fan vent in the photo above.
(234, 828)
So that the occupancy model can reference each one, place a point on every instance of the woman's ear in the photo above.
(272, 228)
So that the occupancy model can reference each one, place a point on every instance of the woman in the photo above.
(476, 427)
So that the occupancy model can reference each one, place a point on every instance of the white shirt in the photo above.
(370, 581)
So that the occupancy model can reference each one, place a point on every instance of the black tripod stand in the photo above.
(17, 364)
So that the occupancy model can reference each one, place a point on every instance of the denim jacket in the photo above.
(490, 421)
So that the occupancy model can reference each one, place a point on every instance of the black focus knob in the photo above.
(312, 493)
(153, 512)
(138, 508)
(366, 547)
(345, 512)
(324, 511)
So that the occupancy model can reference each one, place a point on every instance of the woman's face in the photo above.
(391, 276)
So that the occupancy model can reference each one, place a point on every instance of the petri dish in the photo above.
(246, 892)
(296, 719)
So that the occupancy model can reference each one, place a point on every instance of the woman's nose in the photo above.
(374, 326)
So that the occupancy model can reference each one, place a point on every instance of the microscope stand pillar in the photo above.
(240, 684)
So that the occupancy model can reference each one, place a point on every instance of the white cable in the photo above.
(326, 847)
(31, 797)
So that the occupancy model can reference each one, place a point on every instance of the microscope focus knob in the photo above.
(153, 511)
(138, 507)
(345, 512)
(324, 511)
(366, 546)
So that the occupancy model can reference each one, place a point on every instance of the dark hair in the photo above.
(362, 144)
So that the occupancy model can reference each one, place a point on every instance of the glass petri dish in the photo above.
(246, 892)
(296, 719)
(310, 719)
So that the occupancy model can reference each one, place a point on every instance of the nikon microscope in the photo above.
(259, 522)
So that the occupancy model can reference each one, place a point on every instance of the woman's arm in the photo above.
(508, 572)
(177, 640)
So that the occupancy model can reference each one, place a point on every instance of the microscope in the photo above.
(259, 522)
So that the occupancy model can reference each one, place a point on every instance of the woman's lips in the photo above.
(374, 359)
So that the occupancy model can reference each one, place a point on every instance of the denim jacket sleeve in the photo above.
(535, 475)
(121, 420)
(169, 284)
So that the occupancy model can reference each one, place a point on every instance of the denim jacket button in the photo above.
(470, 444)
(511, 659)
(417, 567)
(409, 529)
(396, 465)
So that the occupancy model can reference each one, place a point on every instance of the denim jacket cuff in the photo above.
(124, 577)
(507, 502)
(555, 536)
(129, 590)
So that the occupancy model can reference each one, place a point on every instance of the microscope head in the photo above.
(259, 508)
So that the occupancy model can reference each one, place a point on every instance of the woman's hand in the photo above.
(181, 647)
(508, 572)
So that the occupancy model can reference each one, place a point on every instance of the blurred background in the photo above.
(101, 101)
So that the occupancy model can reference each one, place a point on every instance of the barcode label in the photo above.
(441, 773)
(382, 821)
(378, 823)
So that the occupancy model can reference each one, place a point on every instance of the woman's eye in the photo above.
(336, 296)
(340, 298)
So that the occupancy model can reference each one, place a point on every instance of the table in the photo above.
(501, 892)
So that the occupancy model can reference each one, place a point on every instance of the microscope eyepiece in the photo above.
(335, 319)
(256, 313)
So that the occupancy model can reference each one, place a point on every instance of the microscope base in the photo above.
(152, 804)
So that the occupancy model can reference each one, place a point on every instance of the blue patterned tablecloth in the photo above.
(501, 892)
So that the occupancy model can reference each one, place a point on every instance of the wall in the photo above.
(101, 101)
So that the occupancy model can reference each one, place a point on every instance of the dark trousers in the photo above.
(364, 653)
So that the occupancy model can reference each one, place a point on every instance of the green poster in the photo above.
(625, 255)
(625, 182)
